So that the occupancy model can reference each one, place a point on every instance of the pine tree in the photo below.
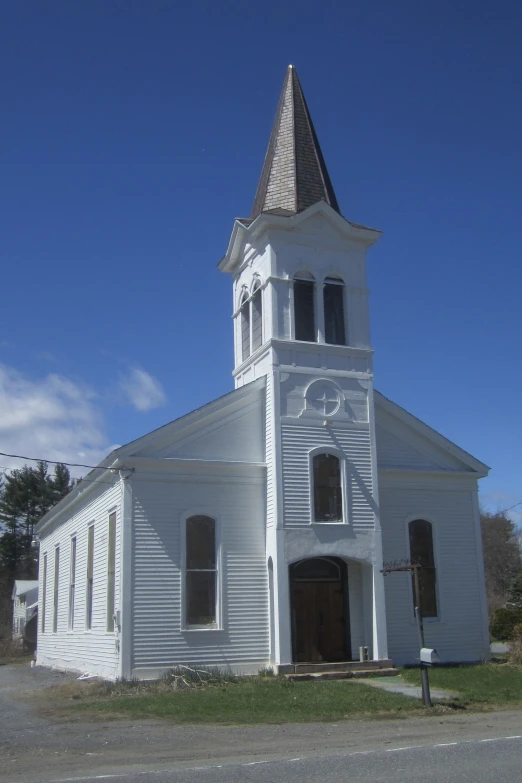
(26, 494)
(515, 593)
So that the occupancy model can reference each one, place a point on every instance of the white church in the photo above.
(252, 532)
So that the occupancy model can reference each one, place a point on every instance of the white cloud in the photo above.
(53, 417)
(142, 390)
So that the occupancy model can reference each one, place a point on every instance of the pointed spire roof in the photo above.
(294, 174)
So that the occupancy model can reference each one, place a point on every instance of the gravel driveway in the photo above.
(39, 749)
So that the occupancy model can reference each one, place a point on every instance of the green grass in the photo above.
(258, 700)
(484, 684)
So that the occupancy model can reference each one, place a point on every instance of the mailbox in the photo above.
(429, 655)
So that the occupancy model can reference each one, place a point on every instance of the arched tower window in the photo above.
(304, 307)
(421, 553)
(245, 327)
(333, 296)
(257, 318)
(200, 571)
(328, 497)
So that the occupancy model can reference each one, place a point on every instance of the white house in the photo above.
(25, 602)
(252, 531)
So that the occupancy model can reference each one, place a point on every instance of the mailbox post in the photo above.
(428, 656)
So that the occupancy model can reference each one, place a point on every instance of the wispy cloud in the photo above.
(51, 417)
(142, 390)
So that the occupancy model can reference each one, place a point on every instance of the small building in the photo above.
(252, 532)
(25, 604)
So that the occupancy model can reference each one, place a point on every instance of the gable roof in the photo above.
(156, 439)
(417, 445)
(294, 174)
(23, 586)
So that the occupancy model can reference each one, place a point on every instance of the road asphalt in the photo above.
(39, 749)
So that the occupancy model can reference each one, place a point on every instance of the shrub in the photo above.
(503, 622)
(515, 646)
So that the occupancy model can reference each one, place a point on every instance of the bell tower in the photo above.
(300, 310)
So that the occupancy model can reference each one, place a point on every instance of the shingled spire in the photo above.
(294, 174)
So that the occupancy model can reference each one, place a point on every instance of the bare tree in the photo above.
(502, 556)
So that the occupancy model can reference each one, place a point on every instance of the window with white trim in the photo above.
(111, 571)
(55, 591)
(245, 327)
(327, 488)
(257, 318)
(422, 553)
(304, 308)
(201, 572)
(90, 577)
(72, 583)
(333, 299)
(44, 591)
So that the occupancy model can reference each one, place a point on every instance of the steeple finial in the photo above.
(294, 174)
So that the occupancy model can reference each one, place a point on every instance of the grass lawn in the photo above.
(263, 699)
(257, 700)
(489, 683)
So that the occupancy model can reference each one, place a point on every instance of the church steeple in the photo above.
(294, 174)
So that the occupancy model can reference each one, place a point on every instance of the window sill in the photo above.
(323, 524)
(200, 628)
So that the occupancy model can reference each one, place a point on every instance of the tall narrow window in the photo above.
(245, 328)
(90, 577)
(111, 571)
(334, 329)
(55, 592)
(72, 582)
(44, 592)
(328, 500)
(201, 572)
(421, 553)
(257, 320)
(304, 310)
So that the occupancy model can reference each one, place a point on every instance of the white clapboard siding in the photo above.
(458, 635)
(297, 441)
(159, 641)
(355, 598)
(394, 452)
(93, 651)
(270, 453)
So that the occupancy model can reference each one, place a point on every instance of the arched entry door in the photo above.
(320, 615)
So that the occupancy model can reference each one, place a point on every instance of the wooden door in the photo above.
(318, 621)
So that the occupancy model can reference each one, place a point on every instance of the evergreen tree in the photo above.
(26, 494)
(515, 593)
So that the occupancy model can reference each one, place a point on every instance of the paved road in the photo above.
(35, 748)
(477, 761)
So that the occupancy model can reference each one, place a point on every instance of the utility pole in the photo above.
(414, 569)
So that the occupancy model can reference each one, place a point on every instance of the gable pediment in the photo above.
(406, 443)
(230, 429)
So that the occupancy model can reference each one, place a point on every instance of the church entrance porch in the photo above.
(320, 611)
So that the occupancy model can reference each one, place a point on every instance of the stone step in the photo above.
(343, 675)
(342, 666)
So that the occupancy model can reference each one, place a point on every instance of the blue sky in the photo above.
(134, 132)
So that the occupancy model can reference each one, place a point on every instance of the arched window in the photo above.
(328, 499)
(304, 307)
(245, 327)
(333, 295)
(200, 571)
(421, 553)
(257, 318)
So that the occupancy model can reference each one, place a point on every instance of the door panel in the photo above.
(318, 621)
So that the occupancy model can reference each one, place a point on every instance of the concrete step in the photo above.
(342, 666)
(343, 675)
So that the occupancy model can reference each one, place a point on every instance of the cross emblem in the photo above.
(326, 402)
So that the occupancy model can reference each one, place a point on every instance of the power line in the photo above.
(60, 462)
